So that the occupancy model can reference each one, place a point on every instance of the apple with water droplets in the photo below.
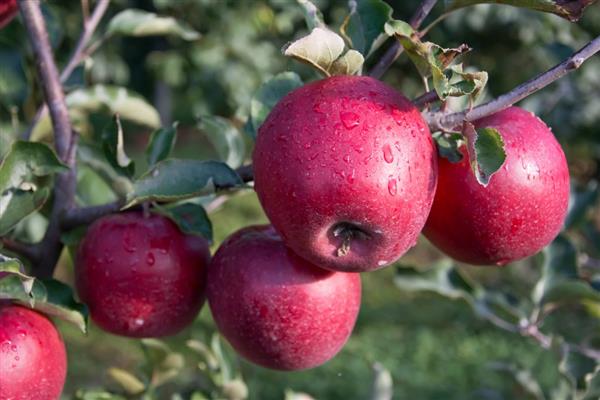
(8, 11)
(140, 275)
(33, 361)
(275, 308)
(346, 170)
(520, 211)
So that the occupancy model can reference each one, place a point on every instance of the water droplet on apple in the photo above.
(150, 259)
(349, 119)
(387, 154)
(398, 116)
(392, 186)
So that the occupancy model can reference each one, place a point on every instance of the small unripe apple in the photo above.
(275, 308)
(345, 169)
(520, 211)
(140, 275)
(8, 11)
(33, 361)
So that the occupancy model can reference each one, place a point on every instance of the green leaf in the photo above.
(129, 382)
(312, 15)
(176, 179)
(448, 145)
(16, 204)
(433, 60)
(190, 218)
(106, 99)
(348, 64)
(569, 9)
(50, 296)
(365, 24)
(559, 282)
(114, 148)
(486, 151)
(118, 100)
(522, 377)
(454, 82)
(592, 383)
(576, 368)
(134, 22)
(446, 280)
(443, 278)
(382, 386)
(425, 55)
(22, 191)
(267, 96)
(224, 364)
(161, 144)
(581, 200)
(96, 395)
(226, 138)
(320, 49)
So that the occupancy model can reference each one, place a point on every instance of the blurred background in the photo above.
(434, 347)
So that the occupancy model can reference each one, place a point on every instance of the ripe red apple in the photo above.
(8, 10)
(275, 308)
(521, 210)
(33, 361)
(141, 276)
(345, 169)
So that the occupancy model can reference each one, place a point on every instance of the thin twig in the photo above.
(426, 98)
(29, 251)
(89, 27)
(442, 121)
(48, 74)
(86, 215)
(395, 49)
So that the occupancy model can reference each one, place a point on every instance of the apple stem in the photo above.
(345, 247)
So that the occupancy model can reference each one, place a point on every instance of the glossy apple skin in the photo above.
(8, 11)
(33, 361)
(275, 308)
(346, 149)
(521, 210)
(141, 276)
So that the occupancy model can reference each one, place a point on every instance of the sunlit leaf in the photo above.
(114, 148)
(321, 48)
(134, 22)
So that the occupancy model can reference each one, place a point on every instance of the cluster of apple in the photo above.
(348, 174)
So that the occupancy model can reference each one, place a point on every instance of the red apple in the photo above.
(8, 10)
(275, 308)
(345, 169)
(141, 276)
(521, 210)
(33, 361)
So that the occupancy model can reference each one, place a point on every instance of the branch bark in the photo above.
(48, 74)
(443, 121)
(64, 141)
(89, 27)
(394, 51)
